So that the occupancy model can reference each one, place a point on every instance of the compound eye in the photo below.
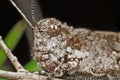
(54, 27)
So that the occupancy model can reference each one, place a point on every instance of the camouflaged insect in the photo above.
(76, 54)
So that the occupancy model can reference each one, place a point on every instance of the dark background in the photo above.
(93, 14)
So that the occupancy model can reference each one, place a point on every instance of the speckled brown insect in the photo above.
(73, 54)
(76, 53)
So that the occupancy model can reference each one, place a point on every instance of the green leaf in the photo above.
(2, 79)
(32, 66)
(12, 39)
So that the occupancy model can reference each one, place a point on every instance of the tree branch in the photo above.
(12, 58)
(23, 76)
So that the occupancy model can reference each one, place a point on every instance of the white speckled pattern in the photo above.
(60, 49)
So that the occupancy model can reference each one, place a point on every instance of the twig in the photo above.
(23, 76)
(12, 58)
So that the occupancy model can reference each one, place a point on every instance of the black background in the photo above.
(93, 14)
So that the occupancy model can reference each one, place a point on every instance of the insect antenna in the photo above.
(29, 9)
(24, 16)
